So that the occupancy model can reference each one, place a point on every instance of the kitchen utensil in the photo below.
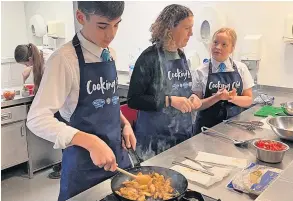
(269, 156)
(178, 181)
(217, 164)
(287, 108)
(126, 173)
(246, 126)
(141, 179)
(206, 130)
(220, 160)
(199, 163)
(193, 168)
(254, 123)
(282, 126)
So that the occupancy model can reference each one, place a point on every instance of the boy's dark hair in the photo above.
(108, 9)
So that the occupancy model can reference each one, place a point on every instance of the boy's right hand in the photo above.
(102, 155)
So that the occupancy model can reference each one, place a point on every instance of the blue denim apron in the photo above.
(157, 131)
(222, 110)
(97, 112)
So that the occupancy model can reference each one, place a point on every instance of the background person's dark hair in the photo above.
(22, 53)
(108, 9)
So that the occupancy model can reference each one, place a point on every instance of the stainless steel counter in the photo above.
(214, 145)
(123, 79)
(280, 188)
(18, 99)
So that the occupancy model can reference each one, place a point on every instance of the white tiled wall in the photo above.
(11, 75)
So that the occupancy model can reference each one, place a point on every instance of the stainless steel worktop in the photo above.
(18, 99)
(123, 79)
(214, 145)
(279, 190)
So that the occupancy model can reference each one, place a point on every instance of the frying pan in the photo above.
(178, 181)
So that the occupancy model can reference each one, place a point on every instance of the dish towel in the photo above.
(219, 172)
(264, 99)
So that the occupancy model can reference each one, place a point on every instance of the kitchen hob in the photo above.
(189, 196)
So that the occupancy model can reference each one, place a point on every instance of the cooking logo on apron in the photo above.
(102, 87)
(179, 75)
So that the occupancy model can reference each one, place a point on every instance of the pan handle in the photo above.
(133, 155)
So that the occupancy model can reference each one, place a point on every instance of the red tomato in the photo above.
(270, 145)
(9, 95)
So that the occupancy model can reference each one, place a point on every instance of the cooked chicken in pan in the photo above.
(157, 188)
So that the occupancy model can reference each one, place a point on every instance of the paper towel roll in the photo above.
(207, 22)
(38, 26)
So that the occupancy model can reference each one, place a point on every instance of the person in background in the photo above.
(34, 60)
(160, 86)
(224, 85)
(81, 77)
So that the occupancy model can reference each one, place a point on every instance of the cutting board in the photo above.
(267, 110)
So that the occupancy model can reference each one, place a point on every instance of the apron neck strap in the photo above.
(233, 65)
(77, 47)
(162, 56)
(210, 67)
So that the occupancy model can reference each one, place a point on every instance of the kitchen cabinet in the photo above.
(13, 144)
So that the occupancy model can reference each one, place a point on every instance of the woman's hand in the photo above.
(26, 73)
(196, 102)
(223, 94)
(129, 139)
(232, 94)
(181, 103)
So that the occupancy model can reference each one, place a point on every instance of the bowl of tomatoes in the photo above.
(270, 151)
(9, 94)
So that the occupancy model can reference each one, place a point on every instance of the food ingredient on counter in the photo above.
(29, 88)
(270, 145)
(9, 95)
(254, 179)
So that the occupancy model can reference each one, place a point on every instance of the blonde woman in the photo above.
(160, 86)
(224, 85)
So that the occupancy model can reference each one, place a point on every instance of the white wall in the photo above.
(50, 11)
(13, 27)
(15, 18)
(266, 18)
(13, 33)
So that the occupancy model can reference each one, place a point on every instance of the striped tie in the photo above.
(222, 67)
(106, 55)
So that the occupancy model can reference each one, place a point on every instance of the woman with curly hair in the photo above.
(160, 86)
